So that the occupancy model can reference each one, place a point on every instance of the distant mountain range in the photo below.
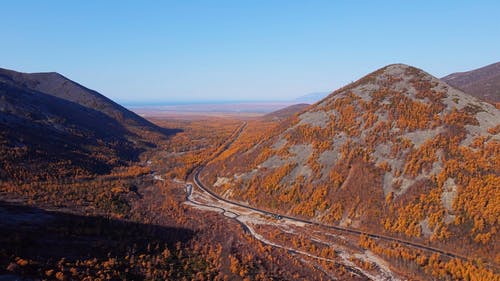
(311, 97)
(483, 83)
(51, 126)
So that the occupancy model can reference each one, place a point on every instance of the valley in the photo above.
(250, 140)
(380, 180)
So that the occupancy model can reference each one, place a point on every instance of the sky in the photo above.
(245, 50)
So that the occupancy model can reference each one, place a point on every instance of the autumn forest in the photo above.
(395, 176)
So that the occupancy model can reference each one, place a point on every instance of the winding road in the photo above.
(384, 272)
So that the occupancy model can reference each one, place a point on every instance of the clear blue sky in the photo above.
(241, 49)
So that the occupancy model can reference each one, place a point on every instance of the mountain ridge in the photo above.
(483, 82)
(56, 84)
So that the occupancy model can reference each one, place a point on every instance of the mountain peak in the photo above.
(26, 75)
(48, 75)
(400, 69)
(393, 79)
(397, 66)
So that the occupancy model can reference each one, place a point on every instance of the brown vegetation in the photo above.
(397, 162)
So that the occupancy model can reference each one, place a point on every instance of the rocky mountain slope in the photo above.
(51, 126)
(483, 83)
(398, 152)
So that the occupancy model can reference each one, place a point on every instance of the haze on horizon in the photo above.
(241, 50)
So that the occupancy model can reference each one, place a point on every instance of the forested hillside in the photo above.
(398, 152)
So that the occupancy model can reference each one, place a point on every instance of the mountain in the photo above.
(51, 127)
(483, 83)
(286, 112)
(56, 85)
(397, 152)
(311, 97)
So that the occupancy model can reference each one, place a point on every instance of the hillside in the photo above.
(398, 152)
(54, 84)
(286, 112)
(483, 83)
(52, 127)
(134, 223)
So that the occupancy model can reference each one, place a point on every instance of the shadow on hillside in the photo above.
(168, 132)
(41, 235)
(64, 136)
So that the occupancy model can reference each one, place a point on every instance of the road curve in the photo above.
(200, 185)
(234, 137)
(248, 229)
